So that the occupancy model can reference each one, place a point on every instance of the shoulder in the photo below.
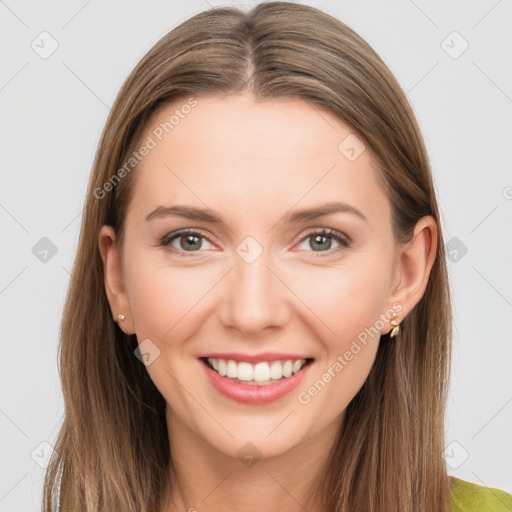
(471, 497)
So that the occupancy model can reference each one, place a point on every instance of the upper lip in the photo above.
(254, 358)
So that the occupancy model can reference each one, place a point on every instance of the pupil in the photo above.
(193, 242)
(320, 237)
(190, 242)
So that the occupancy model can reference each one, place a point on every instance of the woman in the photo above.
(214, 355)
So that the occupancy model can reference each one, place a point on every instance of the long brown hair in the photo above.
(113, 445)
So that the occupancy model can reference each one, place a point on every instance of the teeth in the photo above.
(261, 372)
(245, 371)
(258, 374)
(276, 370)
(297, 365)
(231, 370)
(222, 367)
(287, 369)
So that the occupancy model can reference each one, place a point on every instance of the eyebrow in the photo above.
(184, 211)
(324, 209)
(296, 216)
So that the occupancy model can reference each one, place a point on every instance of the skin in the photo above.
(252, 163)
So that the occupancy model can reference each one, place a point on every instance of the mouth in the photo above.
(256, 383)
(264, 373)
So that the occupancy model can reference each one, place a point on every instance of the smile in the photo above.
(259, 374)
(255, 383)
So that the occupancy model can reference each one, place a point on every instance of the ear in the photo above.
(114, 283)
(413, 265)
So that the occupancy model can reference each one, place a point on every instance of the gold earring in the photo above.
(120, 316)
(396, 326)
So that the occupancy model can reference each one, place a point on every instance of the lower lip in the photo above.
(255, 395)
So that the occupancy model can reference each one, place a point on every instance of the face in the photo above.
(256, 283)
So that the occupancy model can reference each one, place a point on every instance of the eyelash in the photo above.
(344, 241)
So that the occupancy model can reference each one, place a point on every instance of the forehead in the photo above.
(236, 153)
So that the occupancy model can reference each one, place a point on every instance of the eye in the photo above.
(320, 240)
(189, 242)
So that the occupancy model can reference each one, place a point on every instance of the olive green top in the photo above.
(471, 497)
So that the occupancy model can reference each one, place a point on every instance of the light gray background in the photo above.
(53, 111)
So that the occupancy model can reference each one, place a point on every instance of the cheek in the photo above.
(349, 343)
(346, 307)
(165, 299)
(168, 304)
(344, 301)
(168, 301)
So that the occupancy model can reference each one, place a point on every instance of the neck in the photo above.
(206, 479)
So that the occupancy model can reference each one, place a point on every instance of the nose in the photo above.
(254, 298)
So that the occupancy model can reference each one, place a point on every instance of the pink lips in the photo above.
(255, 395)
